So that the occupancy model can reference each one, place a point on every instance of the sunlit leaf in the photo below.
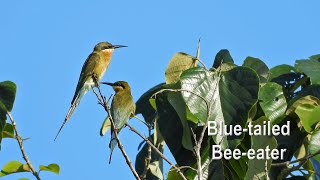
(14, 167)
(309, 115)
(230, 96)
(272, 101)
(106, 125)
(179, 63)
(51, 168)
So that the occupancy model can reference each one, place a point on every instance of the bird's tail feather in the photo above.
(113, 143)
(75, 102)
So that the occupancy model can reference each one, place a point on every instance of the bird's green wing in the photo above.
(86, 71)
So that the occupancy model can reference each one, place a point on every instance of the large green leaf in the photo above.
(314, 101)
(14, 167)
(310, 68)
(8, 131)
(7, 97)
(280, 70)
(223, 56)
(51, 168)
(230, 96)
(177, 102)
(309, 116)
(143, 105)
(259, 66)
(272, 102)
(314, 146)
(155, 168)
(257, 167)
(179, 63)
(171, 129)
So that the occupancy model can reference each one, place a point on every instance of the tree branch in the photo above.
(20, 142)
(104, 103)
(157, 150)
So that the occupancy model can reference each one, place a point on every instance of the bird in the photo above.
(122, 108)
(92, 70)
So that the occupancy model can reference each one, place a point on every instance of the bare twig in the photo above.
(157, 150)
(104, 103)
(20, 142)
(287, 163)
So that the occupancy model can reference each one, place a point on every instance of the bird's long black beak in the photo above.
(107, 83)
(118, 46)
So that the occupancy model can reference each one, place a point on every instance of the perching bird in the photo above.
(122, 108)
(95, 65)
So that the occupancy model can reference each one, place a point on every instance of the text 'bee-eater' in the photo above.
(95, 66)
(122, 108)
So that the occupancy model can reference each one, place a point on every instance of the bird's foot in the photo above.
(95, 80)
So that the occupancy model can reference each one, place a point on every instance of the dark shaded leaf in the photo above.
(172, 131)
(144, 107)
(257, 167)
(155, 170)
(310, 68)
(259, 66)
(280, 70)
(8, 131)
(223, 56)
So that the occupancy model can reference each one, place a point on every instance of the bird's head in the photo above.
(105, 46)
(118, 86)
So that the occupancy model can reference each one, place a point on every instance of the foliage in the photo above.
(8, 130)
(236, 95)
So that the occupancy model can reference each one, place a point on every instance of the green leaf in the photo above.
(8, 131)
(177, 102)
(179, 63)
(310, 68)
(223, 56)
(259, 66)
(143, 105)
(106, 125)
(7, 95)
(315, 57)
(314, 146)
(23, 179)
(309, 116)
(273, 101)
(280, 70)
(171, 129)
(14, 167)
(51, 168)
(302, 100)
(155, 168)
(230, 96)
(256, 167)
(173, 175)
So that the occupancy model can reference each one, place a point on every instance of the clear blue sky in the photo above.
(43, 46)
